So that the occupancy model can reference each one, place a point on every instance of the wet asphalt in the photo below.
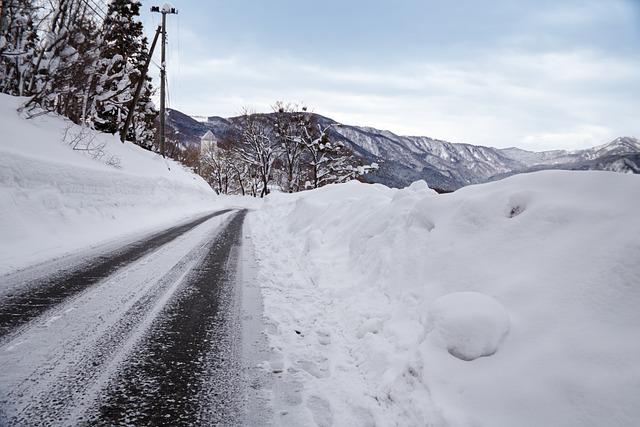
(184, 373)
(42, 294)
(185, 368)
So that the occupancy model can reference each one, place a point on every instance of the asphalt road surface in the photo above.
(143, 334)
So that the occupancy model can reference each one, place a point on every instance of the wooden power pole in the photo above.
(136, 96)
(164, 10)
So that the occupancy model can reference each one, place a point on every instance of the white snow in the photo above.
(55, 200)
(421, 185)
(370, 293)
(468, 324)
(509, 303)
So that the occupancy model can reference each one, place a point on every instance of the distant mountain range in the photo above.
(444, 165)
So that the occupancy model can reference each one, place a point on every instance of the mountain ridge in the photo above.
(444, 165)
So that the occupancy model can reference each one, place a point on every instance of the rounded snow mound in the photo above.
(420, 186)
(469, 324)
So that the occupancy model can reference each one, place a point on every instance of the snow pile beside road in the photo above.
(509, 303)
(468, 324)
(54, 199)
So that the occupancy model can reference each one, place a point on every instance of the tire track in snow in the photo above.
(184, 372)
(20, 306)
(53, 370)
(65, 398)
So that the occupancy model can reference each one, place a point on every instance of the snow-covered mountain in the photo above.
(444, 165)
(449, 165)
(619, 146)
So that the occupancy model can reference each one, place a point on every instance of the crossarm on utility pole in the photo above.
(136, 96)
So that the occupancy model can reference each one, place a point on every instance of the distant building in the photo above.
(207, 141)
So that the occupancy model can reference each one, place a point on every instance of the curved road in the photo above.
(145, 334)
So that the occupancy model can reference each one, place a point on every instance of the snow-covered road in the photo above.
(146, 333)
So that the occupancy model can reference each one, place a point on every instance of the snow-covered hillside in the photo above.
(55, 199)
(502, 304)
(445, 165)
(619, 146)
(449, 165)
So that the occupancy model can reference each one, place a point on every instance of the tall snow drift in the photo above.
(54, 199)
(503, 304)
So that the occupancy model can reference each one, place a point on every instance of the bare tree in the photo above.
(257, 148)
(221, 167)
(290, 147)
(327, 162)
(19, 21)
(65, 65)
(288, 120)
(214, 167)
(319, 152)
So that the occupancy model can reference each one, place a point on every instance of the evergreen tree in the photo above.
(61, 55)
(122, 59)
(143, 128)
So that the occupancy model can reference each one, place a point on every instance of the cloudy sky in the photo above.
(537, 74)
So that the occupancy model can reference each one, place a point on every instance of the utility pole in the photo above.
(164, 10)
(136, 96)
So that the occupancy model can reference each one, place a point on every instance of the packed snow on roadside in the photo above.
(54, 199)
(503, 304)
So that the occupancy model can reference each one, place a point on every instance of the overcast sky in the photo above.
(534, 74)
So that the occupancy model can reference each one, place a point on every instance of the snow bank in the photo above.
(54, 199)
(468, 324)
(380, 302)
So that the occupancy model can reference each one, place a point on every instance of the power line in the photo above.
(177, 75)
(168, 93)
(90, 6)
(100, 8)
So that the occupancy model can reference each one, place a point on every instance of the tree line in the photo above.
(68, 58)
(290, 149)
(71, 58)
